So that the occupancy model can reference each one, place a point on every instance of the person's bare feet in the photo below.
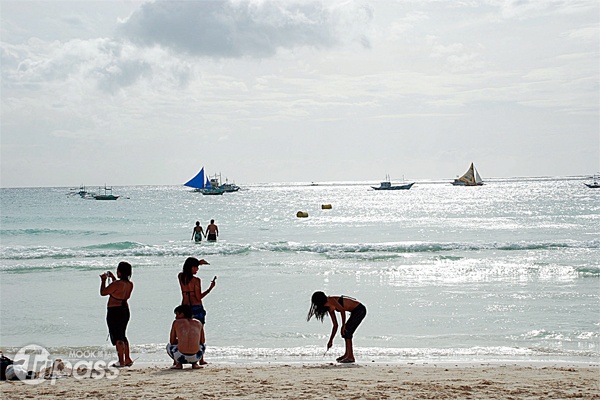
(176, 366)
(196, 366)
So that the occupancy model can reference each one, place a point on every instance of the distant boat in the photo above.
(107, 195)
(594, 185)
(470, 178)
(82, 192)
(201, 184)
(227, 187)
(387, 185)
(210, 190)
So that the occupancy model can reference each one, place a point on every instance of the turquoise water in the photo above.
(509, 270)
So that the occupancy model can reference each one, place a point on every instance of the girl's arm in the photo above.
(104, 290)
(334, 329)
(343, 330)
(199, 293)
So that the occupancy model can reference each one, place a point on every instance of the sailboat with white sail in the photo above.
(201, 184)
(470, 178)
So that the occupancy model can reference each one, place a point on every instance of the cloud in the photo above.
(231, 29)
(525, 9)
(107, 64)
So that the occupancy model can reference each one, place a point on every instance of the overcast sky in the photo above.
(140, 92)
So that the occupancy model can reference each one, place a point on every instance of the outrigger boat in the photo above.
(470, 178)
(210, 190)
(107, 194)
(201, 184)
(387, 185)
(215, 183)
(594, 185)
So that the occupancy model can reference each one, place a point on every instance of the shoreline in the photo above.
(327, 380)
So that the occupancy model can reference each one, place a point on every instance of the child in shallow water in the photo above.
(322, 304)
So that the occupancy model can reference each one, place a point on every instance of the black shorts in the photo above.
(117, 319)
(212, 237)
(356, 317)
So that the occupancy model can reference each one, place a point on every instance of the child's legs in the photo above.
(349, 350)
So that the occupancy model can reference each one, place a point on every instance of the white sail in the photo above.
(478, 180)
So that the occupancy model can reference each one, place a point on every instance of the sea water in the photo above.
(506, 271)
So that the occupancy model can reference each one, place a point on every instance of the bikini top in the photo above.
(188, 292)
(123, 301)
(341, 300)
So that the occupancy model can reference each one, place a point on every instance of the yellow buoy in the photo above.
(301, 214)
(326, 206)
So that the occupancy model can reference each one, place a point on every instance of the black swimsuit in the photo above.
(117, 318)
(356, 317)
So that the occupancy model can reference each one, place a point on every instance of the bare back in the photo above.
(191, 291)
(187, 333)
(119, 292)
(345, 304)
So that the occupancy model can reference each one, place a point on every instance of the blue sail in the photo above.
(197, 181)
(207, 185)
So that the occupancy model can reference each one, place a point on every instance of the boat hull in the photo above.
(211, 192)
(462, 183)
(399, 187)
(592, 185)
(228, 188)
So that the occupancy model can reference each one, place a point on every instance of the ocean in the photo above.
(506, 271)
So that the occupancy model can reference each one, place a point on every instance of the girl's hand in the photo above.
(112, 276)
(103, 277)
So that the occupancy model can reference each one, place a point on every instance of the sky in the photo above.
(148, 92)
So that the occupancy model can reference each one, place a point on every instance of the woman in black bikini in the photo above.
(117, 313)
(322, 304)
(191, 290)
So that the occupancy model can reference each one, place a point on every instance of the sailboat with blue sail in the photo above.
(201, 184)
(209, 189)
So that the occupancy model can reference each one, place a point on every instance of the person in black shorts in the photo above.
(212, 231)
(322, 304)
(117, 312)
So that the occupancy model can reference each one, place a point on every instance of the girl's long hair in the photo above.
(317, 307)
(187, 275)
(125, 271)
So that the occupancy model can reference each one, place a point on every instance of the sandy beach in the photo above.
(328, 381)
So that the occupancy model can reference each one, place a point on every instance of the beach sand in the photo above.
(327, 381)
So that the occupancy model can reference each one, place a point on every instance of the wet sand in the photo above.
(327, 381)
